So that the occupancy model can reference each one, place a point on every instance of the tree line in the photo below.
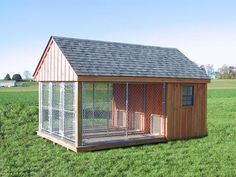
(223, 72)
(17, 77)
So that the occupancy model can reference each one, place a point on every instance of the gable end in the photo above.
(53, 65)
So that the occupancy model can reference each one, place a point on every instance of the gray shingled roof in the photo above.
(99, 58)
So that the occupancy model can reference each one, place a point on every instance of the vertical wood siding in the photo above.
(54, 66)
(186, 122)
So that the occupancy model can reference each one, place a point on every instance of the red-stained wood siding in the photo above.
(136, 103)
(118, 101)
(186, 122)
(54, 66)
(154, 94)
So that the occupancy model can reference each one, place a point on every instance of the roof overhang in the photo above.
(140, 79)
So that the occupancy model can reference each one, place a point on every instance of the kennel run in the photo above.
(96, 95)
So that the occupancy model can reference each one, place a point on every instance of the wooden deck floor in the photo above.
(94, 144)
(101, 143)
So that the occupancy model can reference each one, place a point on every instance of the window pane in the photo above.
(187, 96)
(189, 90)
(185, 90)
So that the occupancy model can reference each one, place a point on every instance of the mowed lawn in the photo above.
(23, 153)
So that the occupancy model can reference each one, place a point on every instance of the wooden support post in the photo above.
(164, 92)
(50, 107)
(93, 106)
(40, 105)
(62, 110)
(78, 121)
(127, 107)
(205, 111)
(108, 100)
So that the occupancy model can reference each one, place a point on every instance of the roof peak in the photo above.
(113, 42)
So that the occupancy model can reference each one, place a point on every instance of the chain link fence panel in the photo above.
(58, 109)
(122, 109)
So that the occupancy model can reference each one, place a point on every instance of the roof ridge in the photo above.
(115, 42)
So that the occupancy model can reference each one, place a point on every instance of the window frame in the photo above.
(182, 96)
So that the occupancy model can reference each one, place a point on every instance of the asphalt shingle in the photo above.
(99, 58)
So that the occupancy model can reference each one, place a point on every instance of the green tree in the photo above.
(7, 77)
(27, 75)
(224, 72)
(209, 69)
(17, 77)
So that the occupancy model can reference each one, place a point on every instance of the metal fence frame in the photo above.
(61, 109)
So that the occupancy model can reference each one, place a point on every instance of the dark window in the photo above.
(187, 96)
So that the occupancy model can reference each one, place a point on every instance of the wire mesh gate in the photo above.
(111, 111)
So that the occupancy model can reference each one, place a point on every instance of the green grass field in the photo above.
(23, 153)
(222, 84)
(27, 87)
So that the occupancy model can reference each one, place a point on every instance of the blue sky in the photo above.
(204, 30)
